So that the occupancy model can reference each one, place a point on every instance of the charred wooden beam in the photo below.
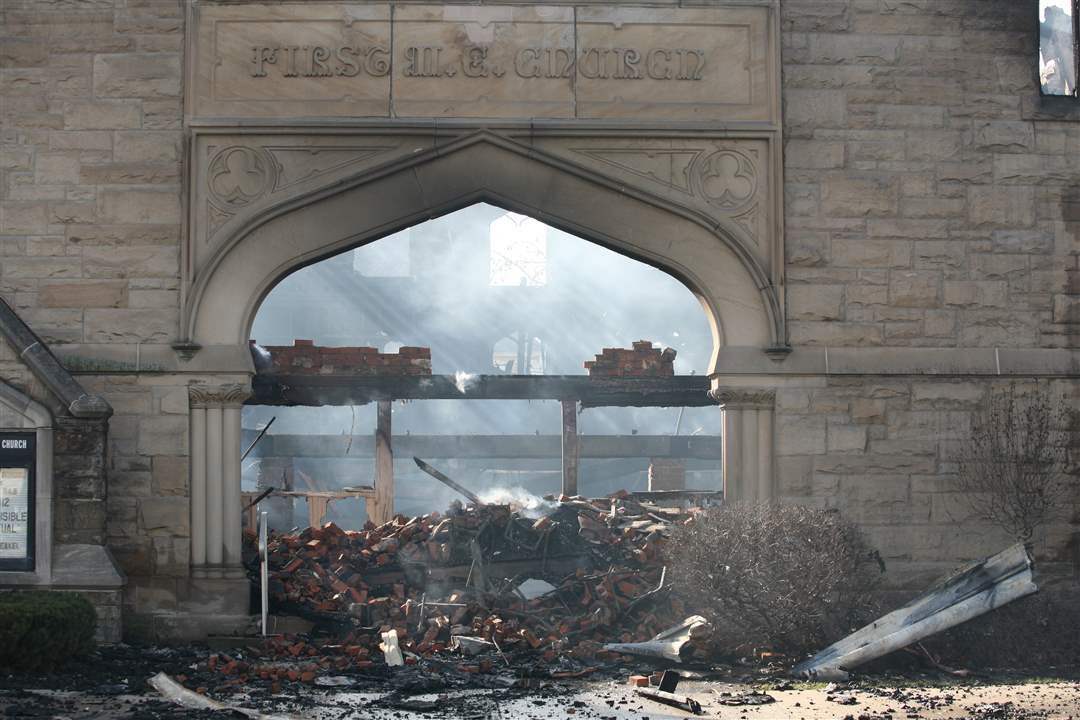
(381, 509)
(435, 473)
(571, 448)
(317, 390)
(362, 447)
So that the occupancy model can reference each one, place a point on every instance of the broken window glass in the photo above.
(1057, 47)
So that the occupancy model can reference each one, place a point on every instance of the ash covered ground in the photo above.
(113, 684)
(451, 616)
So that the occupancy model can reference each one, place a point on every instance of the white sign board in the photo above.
(14, 513)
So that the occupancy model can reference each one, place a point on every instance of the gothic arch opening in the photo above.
(490, 293)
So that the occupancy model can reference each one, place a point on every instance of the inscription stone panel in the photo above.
(483, 62)
(675, 64)
(319, 59)
(372, 60)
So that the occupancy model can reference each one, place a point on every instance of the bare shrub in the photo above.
(790, 578)
(1011, 469)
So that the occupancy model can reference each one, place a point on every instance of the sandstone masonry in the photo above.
(931, 234)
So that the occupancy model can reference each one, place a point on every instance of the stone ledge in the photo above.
(85, 567)
(45, 367)
(1049, 108)
(802, 360)
(929, 361)
(186, 627)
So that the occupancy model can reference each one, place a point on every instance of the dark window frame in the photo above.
(23, 458)
(1076, 50)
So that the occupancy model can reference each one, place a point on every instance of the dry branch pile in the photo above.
(436, 576)
(789, 578)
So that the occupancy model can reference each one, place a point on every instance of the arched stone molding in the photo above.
(747, 429)
(251, 255)
(20, 412)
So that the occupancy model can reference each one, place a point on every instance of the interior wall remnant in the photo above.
(667, 474)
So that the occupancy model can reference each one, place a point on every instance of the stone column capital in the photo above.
(228, 395)
(744, 398)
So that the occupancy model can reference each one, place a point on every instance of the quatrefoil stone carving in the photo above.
(237, 176)
(726, 179)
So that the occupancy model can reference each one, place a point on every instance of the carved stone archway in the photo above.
(243, 257)
(247, 237)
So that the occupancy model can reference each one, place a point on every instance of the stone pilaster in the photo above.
(748, 449)
(215, 479)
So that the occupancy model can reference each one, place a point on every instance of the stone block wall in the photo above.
(148, 514)
(90, 231)
(107, 605)
(932, 198)
(90, 191)
(79, 480)
(880, 450)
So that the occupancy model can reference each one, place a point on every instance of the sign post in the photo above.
(264, 572)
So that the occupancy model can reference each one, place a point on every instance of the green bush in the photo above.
(40, 629)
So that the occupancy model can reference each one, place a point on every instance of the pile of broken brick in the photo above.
(643, 360)
(483, 587)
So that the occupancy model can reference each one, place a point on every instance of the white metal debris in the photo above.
(666, 644)
(974, 590)
(391, 649)
(177, 693)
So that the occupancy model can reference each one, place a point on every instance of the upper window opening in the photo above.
(518, 251)
(1057, 46)
(519, 355)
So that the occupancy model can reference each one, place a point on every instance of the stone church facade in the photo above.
(878, 210)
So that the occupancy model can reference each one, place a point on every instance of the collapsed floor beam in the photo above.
(362, 447)
(317, 390)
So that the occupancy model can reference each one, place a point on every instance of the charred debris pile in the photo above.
(484, 586)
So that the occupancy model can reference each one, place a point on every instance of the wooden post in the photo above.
(381, 507)
(570, 449)
(317, 507)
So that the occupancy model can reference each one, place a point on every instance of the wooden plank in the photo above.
(381, 507)
(362, 447)
(318, 390)
(570, 447)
